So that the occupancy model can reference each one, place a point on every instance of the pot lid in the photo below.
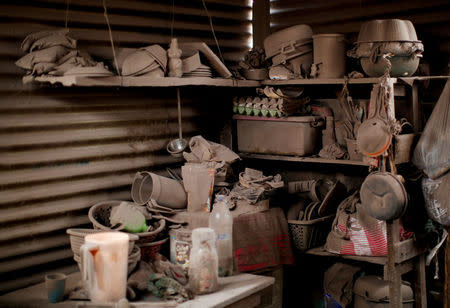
(383, 196)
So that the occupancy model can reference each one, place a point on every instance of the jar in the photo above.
(203, 262)
(180, 247)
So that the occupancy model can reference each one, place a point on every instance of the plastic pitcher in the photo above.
(104, 259)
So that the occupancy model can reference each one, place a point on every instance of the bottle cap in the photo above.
(221, 198)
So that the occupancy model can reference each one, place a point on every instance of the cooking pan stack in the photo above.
(386, 42)
(291, 47)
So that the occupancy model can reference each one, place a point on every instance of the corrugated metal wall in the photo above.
(431, 19)
(64, 149)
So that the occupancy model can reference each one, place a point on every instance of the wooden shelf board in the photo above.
(303, 159)
(323, 81)
(320, 251)
(117, 81)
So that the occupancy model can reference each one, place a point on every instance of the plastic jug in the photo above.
(104, 259)
(221, 221)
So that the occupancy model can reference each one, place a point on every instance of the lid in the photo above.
(375, 289)
(301, 119)
(383, 196)
(275, 41)
(221, 198)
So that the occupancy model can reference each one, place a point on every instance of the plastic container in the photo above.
(203, 275)
(306, 234)
(104, 259)
(329, 55)
(221, 221)
(180, 246)
(165, 191)
(298, 136)
(285, 41)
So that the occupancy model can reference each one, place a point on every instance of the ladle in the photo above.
(176, 147)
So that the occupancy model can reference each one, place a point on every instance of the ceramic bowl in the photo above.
(159, 54)
(379, 30)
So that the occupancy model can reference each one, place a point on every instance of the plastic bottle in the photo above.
(203, 262)
(221, 221)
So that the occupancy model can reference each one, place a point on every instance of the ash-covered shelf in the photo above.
(323, 81)
(303, 159)
(117, 81)
(338, 81)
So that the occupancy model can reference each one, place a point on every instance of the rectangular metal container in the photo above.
(297, 136)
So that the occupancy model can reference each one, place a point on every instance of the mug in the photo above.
(55, 285)
(104, 261)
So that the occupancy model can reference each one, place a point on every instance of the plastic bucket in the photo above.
(329, 55)
(165, 191)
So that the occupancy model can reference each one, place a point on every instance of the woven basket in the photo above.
(306, 234)
(149, 250)
(77, 238)
(99, 216)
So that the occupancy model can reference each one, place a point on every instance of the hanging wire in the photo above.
(212, 30)
(173, 19)
(105, 13)
(67, 13)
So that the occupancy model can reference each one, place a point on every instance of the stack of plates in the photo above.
(89, 71)
(202, 71)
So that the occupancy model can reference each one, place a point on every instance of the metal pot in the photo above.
(384, 196)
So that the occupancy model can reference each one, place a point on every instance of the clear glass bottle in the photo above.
(203, 274)
(221, 221)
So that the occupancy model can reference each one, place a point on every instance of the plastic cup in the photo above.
(55, 285)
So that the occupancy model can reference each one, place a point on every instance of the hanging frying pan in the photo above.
(373, 137)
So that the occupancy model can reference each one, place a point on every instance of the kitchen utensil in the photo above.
(176, 147)
(373, 137)
(147, 186)
(383, 195)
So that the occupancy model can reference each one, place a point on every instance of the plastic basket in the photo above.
(77, 235)
(306, 234)
(99, 216)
